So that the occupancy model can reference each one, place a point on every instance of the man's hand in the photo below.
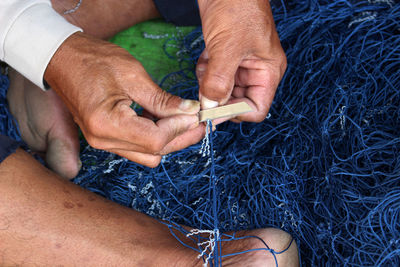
(243, 59)
(98, 81)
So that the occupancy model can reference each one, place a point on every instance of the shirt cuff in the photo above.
(33, 39)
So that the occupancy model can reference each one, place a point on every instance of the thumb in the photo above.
(218, 79)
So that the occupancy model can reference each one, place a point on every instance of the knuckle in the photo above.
(175, 128)
(94, 142)
(160, 99)
(259, 117)
(94, 124)
(273, 78)
(216, 85)
(152, 163)
(156, 145)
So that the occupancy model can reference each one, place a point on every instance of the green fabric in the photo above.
(145, 42)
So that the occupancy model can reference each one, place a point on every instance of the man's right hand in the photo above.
(98, 81)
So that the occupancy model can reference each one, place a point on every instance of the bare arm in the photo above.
(105, 18)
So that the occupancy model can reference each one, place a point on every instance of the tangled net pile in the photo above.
(324, 165)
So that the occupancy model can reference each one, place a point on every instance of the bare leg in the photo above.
(45, 124)
(47, 221)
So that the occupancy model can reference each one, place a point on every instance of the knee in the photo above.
(284, 245)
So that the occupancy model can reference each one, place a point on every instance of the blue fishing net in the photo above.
(324, 165)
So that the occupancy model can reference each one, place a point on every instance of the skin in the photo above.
(84, 65)
(118, 79)
(77, 227)
(45, 124)
(48, 221)
(229, 71)
(104, 18)
(48, 127)
(243, 59)
(97, 81)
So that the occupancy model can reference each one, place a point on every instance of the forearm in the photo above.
(105, 18)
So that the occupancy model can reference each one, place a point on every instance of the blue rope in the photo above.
(323, 166)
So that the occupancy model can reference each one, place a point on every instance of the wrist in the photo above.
(64, 62)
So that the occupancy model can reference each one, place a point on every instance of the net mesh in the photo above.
(323, 166)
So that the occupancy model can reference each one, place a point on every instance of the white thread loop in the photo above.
(205, 144)
(206, 245)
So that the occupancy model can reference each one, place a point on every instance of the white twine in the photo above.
(209, 244)
(367, 15)
(205, 144)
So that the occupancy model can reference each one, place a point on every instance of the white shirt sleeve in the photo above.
(30, 33)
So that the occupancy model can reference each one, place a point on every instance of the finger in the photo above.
(269, 76)
(109, 144)
(184, 140)
(178, 143)
(153, 136)
(259, 99)
(258, 84)
(124, 125)
(222, 120)
(157, 101)
(262, 93)
(148, 160)
(143, 135)
(175, 126)
(239, 92)
(262, 98)
(201, 65)
(218, 79)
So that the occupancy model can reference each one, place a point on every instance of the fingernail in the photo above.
(205, 54)
(201, 67)
(207, 103)
(79, 164)
(190, 106)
